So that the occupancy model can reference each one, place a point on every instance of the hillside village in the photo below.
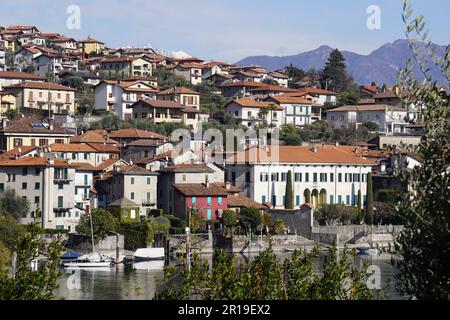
(85, 126)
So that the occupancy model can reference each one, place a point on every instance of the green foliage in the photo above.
(368, 218)
(384, 214)
(351, 97)
(108, 122)
(168, 79)
(27, 284)
(250, 217)
(229, 218)
(371, 126)
(390, 196)
(12, 114)
(279, 226)
(337, 214)
(76, 83)
(424, 209)
(10, 230)
(11, 203)
(289, 194)
(335, 73)
(196, 222)
(266, 278)
(103, 222)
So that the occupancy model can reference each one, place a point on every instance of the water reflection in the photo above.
(141, 283)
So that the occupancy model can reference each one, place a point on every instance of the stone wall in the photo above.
(83, 244)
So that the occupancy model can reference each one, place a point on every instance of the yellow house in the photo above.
(7, 102)
(90, 45)
(185, 96)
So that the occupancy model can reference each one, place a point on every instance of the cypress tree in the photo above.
(289, 195)
(336, 71)
(369, 201)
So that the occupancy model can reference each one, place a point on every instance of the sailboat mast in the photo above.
(92, 232)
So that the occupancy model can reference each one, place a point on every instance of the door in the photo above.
(209, 214)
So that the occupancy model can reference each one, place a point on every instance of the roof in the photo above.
(317, 91)
(241, 201)
(272, 88)
(20, 75)
(76, 147)
(136, 134)
(325, 154)
(200, 189)
(107, 163)
(33, 126)
(91, 137)
(367, 107)
(160, 104)
(178, 90)
(386, 94)
(90, 40)
(104, 148)
(289, 100)
(124, 202)
(242, 84)
(144, 143)
(188, 168)
(35, 162)
(81, 166)
(17, 152)
(251, 103)
(133, 169)
(114, 60)
(40, 85)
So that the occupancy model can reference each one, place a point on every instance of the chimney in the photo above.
(207, 183)
(337, 143)
(51, 161)
(4, 123)
(314, 149)
(50, 124)
(228, 185)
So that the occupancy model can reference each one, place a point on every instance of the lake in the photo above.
(141, 284)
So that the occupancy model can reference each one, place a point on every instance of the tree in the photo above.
(196, 222)
(28, 284)
(371, 126)
(333, 215)
(11, 203)
(369, 201)
(10, 230)
(77, 83)
(12, 114)
(103, 222)
(250, 216)
(351, 97)
(424, 208)
(335, 72)
(230, 219)
(289, 194)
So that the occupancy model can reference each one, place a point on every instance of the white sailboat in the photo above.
(93, 260)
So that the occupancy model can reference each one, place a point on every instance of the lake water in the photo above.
(141, 284)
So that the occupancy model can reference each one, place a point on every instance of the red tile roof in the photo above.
(35, 162)
(251, 103)
(136, 134)
(92, 137)
(20, 75)
(200, 189)
(367, 107)
(178, 90)
(40, 85)
(33, 126)
(242, 84)
(188, 168)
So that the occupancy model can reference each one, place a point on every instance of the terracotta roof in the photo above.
(17, 152)
(20, 75)
(144, 143)
(114, 60)
(241, 201)
(33, 126)
(35, 162)
(107, 163)
(136, 134)
(367, 107)
(188, 168)
(133, 169)
(81, 166)
(272, 89)
(232, 189)
(90, 40)
(76, 147)
(242, 84)
(162, 156)
(317, 91)
(325, 154)
(200, 189)
(178, 90)
(104, 148)
(250, 74)
(386, 94)
(91, 137)
(278, 75)
(140, 78)
(40, 85)
(251, 103)
(124, 202)
(160, 104)
(289, 100)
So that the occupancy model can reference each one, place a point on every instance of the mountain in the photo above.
(382, 65)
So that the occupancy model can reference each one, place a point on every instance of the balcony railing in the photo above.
(148, 203)
(63, 206)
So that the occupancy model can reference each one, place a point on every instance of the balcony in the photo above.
(65, 206)
(148, 203)
(62, 179)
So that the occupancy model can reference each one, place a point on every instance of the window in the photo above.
(85, 179)
(33, 142)
(275, 176)
(74, 156)
(298, 177)
(24, 171)
(132, 180)
(219, 200)
(297, 200)
(284, 201)
(43, 142)
(18, 142)
(37, 171)
(24, 186)
(306, 176)
(37, 186)
(323, 177)
(355, 200)
(194, 200)
(331, 199)
(331, 177)
(363, 178)
(148, 180)
(86, 156)
(60, 202)
(356, 177)
(263, 199)
(347, 200)
(283, 176)
(339, 199)
(60, 186)
(2, 186)
(314, 177)
(274, 200)
(209, 200)
(36, 199)
(264, 177)
(339, 177)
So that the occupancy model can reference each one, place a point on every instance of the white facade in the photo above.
(250, 115)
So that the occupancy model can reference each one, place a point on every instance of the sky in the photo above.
(230, 30)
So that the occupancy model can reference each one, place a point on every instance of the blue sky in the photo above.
(232, 29)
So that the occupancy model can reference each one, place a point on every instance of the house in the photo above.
(208, 200)
(23, 29)
(388, 97)
(35, 39)
(182, 95)
(90, 79)
(297, 111)
(47, 184)
(85, 194)
(238, 89)
(184, 173)
(130, 182)
(126, 136)
(43, 97)
(270, 90)
(247, 76)
(220, 78)
(31, 132)
(321, 96)
(121, 68)
(151, 81)
(66, 43)
(384, 142)
(50, 63)
(8, 78)
(215, 68)
(92, 154)
(390, 120)
(23, 59)
(168, 158)
(91, 46)
(7, 102)
(250, 112)
(144, 148)
(118, 96)
(321, 174)
(191, 72)
(2, 54)
(94, 137)
(159, 111)
(281, 78)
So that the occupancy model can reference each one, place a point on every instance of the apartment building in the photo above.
(91, 46)
(182, 95)
(321, 174)
(250, 112)
(53, 63)
(297, 111)
(8, 78)
(121, 68)
(191, 72)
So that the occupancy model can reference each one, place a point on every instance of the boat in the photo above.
(149, 265)
(368, 251)
(145, 254)
(70, 256)
(93, 260)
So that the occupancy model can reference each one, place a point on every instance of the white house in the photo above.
(250, 112)
(390, 119)
(321, 174)
(118, 96)
(297, 111)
